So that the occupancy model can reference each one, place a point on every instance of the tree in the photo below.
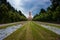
(51, 15)
(9, 14)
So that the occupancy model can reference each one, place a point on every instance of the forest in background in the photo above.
(52, 14)
(8, 14)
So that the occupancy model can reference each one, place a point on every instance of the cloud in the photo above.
(29, 5)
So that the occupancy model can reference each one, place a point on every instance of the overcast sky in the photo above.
(29, 5)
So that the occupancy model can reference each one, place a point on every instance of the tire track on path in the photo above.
(17, 34)
(37, 31)
(29, 32)
(48, 35)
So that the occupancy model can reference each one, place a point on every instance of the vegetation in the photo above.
(3, 27)
(49, 24)
(9, 14)
(51, 15)
(33, 31)
(10, 25)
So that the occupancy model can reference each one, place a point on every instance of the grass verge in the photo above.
(36, 31)
(47, 34)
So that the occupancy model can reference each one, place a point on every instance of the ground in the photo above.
(32, 31)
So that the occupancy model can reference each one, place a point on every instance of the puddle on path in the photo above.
(9, 30)
(54, 29)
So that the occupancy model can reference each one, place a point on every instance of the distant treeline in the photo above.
(9, 14)
(51, 15)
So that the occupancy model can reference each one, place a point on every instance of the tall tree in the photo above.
(51, 15)
(9, 14)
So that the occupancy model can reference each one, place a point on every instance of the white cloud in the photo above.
(20, 5)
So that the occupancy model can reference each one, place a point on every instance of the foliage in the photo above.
(51, 15)
(9, 14)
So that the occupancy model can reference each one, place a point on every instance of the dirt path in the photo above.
(44, 33)
(33, 31)
(29, 32)
(20, 34)
(17, 35)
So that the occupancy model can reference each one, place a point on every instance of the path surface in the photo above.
(12, 23)
(49, 24)
(54, 29)
(28, 32)
(8, 31)
(33, 31)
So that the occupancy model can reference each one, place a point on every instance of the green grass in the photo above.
(49, 24)
(38, 33)
(5, 26)
(54, 25)
(36, 36)
(15, 35)
(49, 35)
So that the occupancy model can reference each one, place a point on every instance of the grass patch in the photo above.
(23, 36)
(3, 27)
(49, 24)
(15, 35)
(38, 33)
(35, 34)
(54, 25)
(46, 33)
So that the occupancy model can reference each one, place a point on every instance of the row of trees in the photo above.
(51, 15)
(9, 14)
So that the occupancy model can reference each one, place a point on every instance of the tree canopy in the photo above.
(51, 15)
(9, 14)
